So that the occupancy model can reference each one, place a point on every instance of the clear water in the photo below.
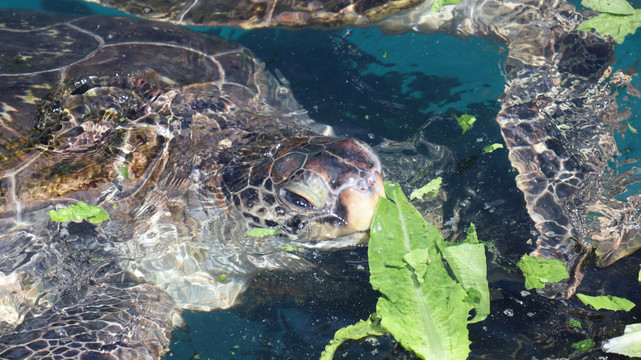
(372, 86)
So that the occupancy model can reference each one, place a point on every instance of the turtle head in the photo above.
(314, 188)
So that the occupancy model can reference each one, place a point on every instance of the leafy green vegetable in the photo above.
(633, 130)
(438, 4)
(607, 302)
(539, 271)
(628, 344)
(639, 274)
(77, 213)
(488, 149)
(583, 345)
(468, 265)
(471, 237)
(425, 305)
(261, 232)
(422, 306)
(617, 26)
(619, 7)
(359, 330)
(465, 121)
(430, 189)
(96, 259)
(575, 323)
(222, 277)
(291, 247)
(124, 171)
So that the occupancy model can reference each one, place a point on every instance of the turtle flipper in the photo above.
(618, 233)
(116, 317)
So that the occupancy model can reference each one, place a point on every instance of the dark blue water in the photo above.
(372, 86)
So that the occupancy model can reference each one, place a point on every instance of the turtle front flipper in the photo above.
(618, 234)
(114, 317)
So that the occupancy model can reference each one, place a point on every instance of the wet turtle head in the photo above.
(312, 188)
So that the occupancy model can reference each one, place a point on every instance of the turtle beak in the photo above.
(360, 202)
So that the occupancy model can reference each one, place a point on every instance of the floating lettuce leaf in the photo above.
(468, 264)
(583, 345)
(617, 26)
(619, 7)
(465, 121)
(261, 232)
(539, 271)
(575, 323)
(79, 212)
(291, 247)
(430, 189)
(438, 4)
(490, 148)
(607, 302)
(124, 171)
(628, 344)
(357, 331)
(423, 307)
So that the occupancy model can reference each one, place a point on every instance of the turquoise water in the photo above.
(366, 84)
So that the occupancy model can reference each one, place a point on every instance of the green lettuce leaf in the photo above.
(490, 148)
(79, 212)
(583, 345)
(539, 271)
(465, 121)
(607, 302)
(290, 247)
(620, 7)
(575, 323)
(468, 264)
(628, 344)
(357, 331)
(438, 4)
(430, 189)
(422, 306)
(617, 26)
(124, 171)
(261, 232)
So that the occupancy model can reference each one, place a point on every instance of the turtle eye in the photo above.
(293, 198)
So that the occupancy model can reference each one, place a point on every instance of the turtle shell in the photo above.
(257, 14)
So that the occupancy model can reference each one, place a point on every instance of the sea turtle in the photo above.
(186, 143)
(556, 119)
(558, 112)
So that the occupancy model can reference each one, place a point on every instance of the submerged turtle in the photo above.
(558, 111)
(186, 143)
